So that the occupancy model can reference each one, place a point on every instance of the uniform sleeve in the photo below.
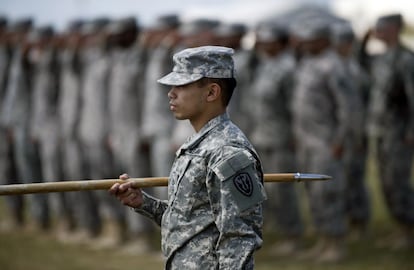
(236, 195)
(152, 208)
(341, 91)
(409, 88)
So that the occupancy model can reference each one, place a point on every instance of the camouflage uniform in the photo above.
(157, 118)
(240, 107)
(125, 102)
(273, 138)
(204, 236)
(6, 158)
(94, 124)
(391, 121)
(320, 110)
(16, 117)
(356, 145)
(69, 106)
(213, 216)
(44, 123)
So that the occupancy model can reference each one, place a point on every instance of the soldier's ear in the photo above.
(214, 92)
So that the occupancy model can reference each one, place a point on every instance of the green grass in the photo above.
(28, 251)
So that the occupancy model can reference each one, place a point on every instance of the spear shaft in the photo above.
(64, 186)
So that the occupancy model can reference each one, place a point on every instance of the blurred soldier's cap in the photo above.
(230, 29)
(196, 26)
(270, 32)
(122, 25)
(192, 64)
(75, 25)
(396, 19)
(3, 21)
(40, 33)
(22, 25)
(342, 32)
(311, 29)
(95, 25)
(166, 21)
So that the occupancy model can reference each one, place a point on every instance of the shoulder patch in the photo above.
(244, 184)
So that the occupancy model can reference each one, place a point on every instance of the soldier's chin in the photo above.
(179, 116)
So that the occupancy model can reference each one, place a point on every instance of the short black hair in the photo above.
(227, 86)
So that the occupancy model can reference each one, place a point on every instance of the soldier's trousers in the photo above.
(282, 204)
(130, 158)
(83, 204)
(395, 160)
(29, 171)
(326, 198)
(199, 253)
(8, 176)
(99, 164)
(358, 205)
(50, 155)
(161, 159)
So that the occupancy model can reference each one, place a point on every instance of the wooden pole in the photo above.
(63, 186)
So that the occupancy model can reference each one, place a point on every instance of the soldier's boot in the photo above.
(314, 251)
(64, 230)
(405, 240)
(139, 243)
(334, 250)
(113, 235)
(13, 222)
(286, 247)
(357, 231)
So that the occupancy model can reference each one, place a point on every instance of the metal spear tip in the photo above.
(311, 177)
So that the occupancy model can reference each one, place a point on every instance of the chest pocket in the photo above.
(188, 179)
(240, 181)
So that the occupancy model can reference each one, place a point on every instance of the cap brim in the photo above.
(175, 78)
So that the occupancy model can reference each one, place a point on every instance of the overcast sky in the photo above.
(59, 12)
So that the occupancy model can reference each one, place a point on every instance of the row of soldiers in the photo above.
(84, 104)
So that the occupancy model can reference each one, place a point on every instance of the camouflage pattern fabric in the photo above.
(392, 118)
(213, 217)
(192, 64)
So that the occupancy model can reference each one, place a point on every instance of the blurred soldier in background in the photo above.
(356, 146)
(245, 61)
(16, 116)
(6, 154)
(45, 119)
(320, 111)
(83, 204)
(272, 132)
(157, 119)
(94, 126)
(195, 33)
(126, 91)
(391, 123)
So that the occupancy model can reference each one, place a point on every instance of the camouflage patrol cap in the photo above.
(192, 64)
(230, 29)
(41, 33)
(342, 32)
(22, 25)
(122, 25)
(270, 32)
(167, 21)
(396, 19)
(311, 28)
(197, 26)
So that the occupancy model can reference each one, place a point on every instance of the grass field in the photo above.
(28, 251)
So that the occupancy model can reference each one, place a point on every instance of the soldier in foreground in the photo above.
(213, 216)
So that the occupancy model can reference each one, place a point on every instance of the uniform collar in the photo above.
(199, 136)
